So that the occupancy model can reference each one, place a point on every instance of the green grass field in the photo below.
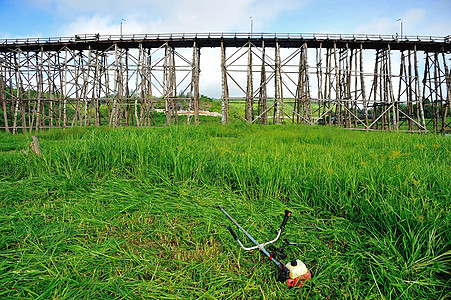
(130, 213)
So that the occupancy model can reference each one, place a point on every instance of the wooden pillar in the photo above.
(149, 87)
(64, 90)
(249, 108)
(410, 93)
(3, 64)
(139, 87)
(113, 116)
(225, 88)
(391, 93)
(263, 96)
(96, 89)
(17, 96)
(166, 85)
(319, 78)
(169, 85)
(337, 88)
(362, 84)
(77, 66)
(106, 72)
(328, 84)
(437, 100)
(356, 95)
(303, 109)
(375, 86)
(85, 87)
(127, 92)
(419, 100)
(298, 112)
(347, 90)
(50, 85)
(448, 92)
(195, 81)
(173, 86)
(40, 84)
(121, 96)
(424, 98)
(278, 103)
(25, 98)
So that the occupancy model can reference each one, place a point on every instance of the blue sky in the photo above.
(44, 18)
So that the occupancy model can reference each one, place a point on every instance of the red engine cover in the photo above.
(299, 281)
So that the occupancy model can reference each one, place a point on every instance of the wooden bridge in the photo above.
(368, 82)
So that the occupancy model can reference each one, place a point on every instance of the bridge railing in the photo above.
(81, 38)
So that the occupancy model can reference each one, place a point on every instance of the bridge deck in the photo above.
(286, 40)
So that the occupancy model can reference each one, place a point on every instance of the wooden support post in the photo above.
(448, 93)
(121, 95)
(3, 79)
(392, 100)
(375, 87)
(437, 100)
(166, 83)
(96, 87)
(424, 98)
(348, 96)
(126, 99)
(113, 116)
(25, 99)
(195, 81)
(337, 117)
(40, 87)
(263, 96)
(169, 85)
(17, 96)
(249, 108)
(50, 85)
(105, 69)
(319, 77)
(419, 100)
(225, 88)
(303, 109)
(77, 61)
(85, 88)
(64, 90)
(362, 84)
(139, 86)
(59, 94)
(356, 95)
(410, 113)
(328, 84)
(278, 103)
(149, 88)
(22, 94)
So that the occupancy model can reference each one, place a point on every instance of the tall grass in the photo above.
(129, 213)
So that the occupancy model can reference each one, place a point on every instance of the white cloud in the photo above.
(163, 16)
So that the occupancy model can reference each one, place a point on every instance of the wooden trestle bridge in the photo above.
(368, 82)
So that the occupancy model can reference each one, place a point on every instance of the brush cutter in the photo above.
(293, 273)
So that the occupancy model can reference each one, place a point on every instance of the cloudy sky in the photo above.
(43, 18)
(50, 18)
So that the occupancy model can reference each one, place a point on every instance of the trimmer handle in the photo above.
(285, 219)
(232, 233)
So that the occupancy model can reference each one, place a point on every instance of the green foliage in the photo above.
(129, 213)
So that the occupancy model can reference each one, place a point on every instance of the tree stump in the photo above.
(35, 147)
